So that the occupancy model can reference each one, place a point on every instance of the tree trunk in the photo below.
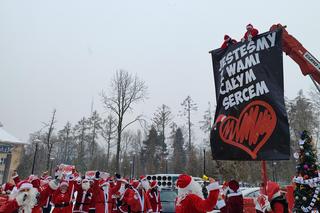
(118, 149)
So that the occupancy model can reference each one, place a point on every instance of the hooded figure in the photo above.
(23, 199)
(234, 198)
(190, 198)
(278, 204)
(227, 41)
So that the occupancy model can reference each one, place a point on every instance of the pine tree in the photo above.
(307, 189)
(179, 154)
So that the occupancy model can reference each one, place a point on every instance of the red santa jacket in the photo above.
(61, 201)
(234, 202)
(136, 200)
(44, 192)
(155, 200)
(194, 204)
(253, 32)
(83, 200)
(226, 43)
(277, 208)
(11, 206)
(103, 199)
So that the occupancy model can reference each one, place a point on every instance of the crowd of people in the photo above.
(115, 194)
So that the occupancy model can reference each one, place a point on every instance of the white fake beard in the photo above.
(145, 184)
(192, 188)
(85, 186)
(122, 189)
(29, 202)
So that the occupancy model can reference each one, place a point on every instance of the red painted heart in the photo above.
(251, 130)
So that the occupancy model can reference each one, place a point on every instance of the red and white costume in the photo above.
(23, 199)
(61, 200)
(190, 197)
(228, 41)
(136, 199)
(278, 203)
(84, 197)
(233, 198)
(251, 33)
(102, 196)
(154, 197)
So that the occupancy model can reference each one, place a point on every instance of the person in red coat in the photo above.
(278, 203)
(154, 197)
(84, 196)
(102, 193)
(61, 198)
(228, 41)
(190, 197)
(233, 198)
(135, 199)
(250, 33)
(22, 199)
(7, 188)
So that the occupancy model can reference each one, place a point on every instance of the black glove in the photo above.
(97, 174)
(118, 176)
(119, 202)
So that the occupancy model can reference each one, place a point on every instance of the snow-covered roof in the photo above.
(6, 137)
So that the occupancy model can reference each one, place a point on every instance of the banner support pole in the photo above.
(264, 176)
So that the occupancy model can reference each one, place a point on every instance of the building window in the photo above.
(2, 161)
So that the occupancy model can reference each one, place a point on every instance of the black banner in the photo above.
(251, 121)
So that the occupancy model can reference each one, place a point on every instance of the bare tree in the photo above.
(188, 106)
(126, 90)
(48, 142)
(162, 118)
(108, 130)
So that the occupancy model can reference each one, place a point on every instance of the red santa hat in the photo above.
(34, 180)
(183, 181)
(24, 185)
(7, 187)
(142, 177)
(64, 183)
(153, 184)
(273, 190)
(233, 185)
(226, 37)
(135, 184)
(249, 26)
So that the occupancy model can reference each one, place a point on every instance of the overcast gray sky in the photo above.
(62, 53)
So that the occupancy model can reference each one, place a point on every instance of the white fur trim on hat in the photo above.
(25, 186)
(213, 186)
(53, 185)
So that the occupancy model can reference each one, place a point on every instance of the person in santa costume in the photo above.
(61, 198)
(44, 189)
(145, 183)
(7, 188)
(277, 202)
(154, 197)
(190, 197)
(102, 194)
(250, 33)
(227, 41)
(135, 199)
(22, 199)
(233, 198)
(84, 196)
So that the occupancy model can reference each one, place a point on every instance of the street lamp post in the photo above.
(36, 141)
(204, 161)
(51, 162)
(131, 170)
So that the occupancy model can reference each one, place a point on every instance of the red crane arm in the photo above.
(309, 65)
